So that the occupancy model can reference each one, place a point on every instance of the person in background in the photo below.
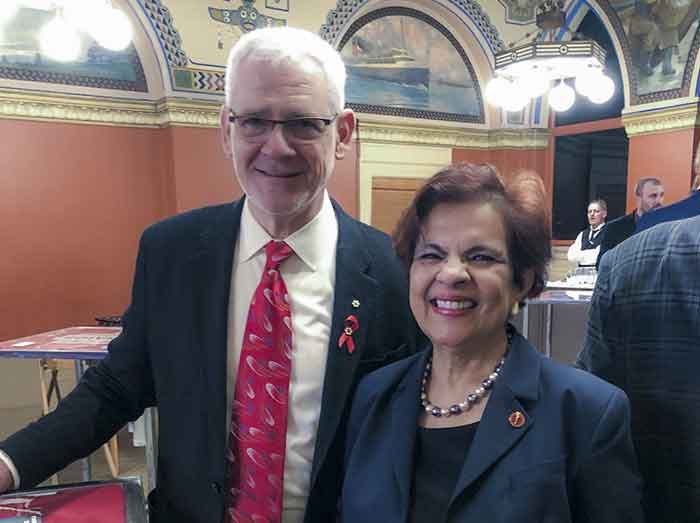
(585, 248)
(649, 193)
(642, 335)
(250, 323)
(685, 208)
(481, 426)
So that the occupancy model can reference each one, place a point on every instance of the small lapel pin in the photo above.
(350, 326)
(355, 303)
(516, 419)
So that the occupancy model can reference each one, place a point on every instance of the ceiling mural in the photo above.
(230, 20)
(244, 19)
(520, 11)
(402, 62)
(22, 59)
(337, 18)
(169, 37)
(278, 5)
(660, 41)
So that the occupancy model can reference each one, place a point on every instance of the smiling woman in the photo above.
(480, 408)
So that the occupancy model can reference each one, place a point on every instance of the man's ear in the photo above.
(225, 132)
(345, 125)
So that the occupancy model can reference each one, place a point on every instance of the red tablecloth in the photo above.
(80, 504)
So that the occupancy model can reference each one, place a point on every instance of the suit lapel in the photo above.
(211, 269)
(404, 412)
(355, 294)
(516, 389)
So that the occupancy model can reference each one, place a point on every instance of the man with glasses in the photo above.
(250, 323)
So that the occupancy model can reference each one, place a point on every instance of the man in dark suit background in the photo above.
(283, 125)
(642, 336)
(650, 196)
(685, 208)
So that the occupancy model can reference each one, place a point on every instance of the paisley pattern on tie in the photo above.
(255, 455)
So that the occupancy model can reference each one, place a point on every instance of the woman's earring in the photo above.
(515, 309)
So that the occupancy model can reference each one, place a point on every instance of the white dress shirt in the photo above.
(587, 256)
(309, 275)
(13, 470)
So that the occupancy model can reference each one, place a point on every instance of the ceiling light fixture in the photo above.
(529, 70)
(60, 39)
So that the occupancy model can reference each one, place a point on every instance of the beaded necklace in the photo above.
(472, 398)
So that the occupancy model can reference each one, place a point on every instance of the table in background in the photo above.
(560, 297)
(80, 344)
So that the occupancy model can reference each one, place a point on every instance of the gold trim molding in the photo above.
(662, 120)
(181, 113)
(173, 112)
(450, 137)
(103, 111)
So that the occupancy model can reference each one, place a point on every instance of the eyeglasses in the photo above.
(304, 129)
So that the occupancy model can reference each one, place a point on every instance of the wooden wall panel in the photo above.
(390, 196)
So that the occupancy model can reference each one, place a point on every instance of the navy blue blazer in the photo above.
(572, 460)
(172, 354)
(686, 208)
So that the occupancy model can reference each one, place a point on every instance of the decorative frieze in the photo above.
(195, 113)
(450, 137)
(661, 120)
(103, 111)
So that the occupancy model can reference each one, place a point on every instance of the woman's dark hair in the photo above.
(521, 201)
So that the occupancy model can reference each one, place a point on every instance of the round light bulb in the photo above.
(59, 41)
(534, 84)
(84, 14)
(561, 97)
(496, 91)
(113, 31)
(515, 99)
(586, 81)
(602, 91)
(8, 10)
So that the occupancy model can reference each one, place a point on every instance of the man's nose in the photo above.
(276, 142)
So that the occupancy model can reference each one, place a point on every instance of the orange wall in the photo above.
(667, 156)
(201, 173)
(74, 200)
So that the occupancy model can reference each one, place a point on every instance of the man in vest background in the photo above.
(584, 250)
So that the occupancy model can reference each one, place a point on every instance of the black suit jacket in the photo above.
(172, 354)
(686, 208)
(572, 461)
(616, 232)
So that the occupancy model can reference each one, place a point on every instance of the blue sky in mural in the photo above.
(401, 61)
(19, 49)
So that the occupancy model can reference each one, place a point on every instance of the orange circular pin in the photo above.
(516, 419)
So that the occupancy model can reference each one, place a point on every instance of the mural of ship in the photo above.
(392, 65)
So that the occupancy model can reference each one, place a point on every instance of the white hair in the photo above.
(278, 45)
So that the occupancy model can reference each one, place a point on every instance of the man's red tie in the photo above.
(255, 456)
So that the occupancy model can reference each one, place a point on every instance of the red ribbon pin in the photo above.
(350, 327)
